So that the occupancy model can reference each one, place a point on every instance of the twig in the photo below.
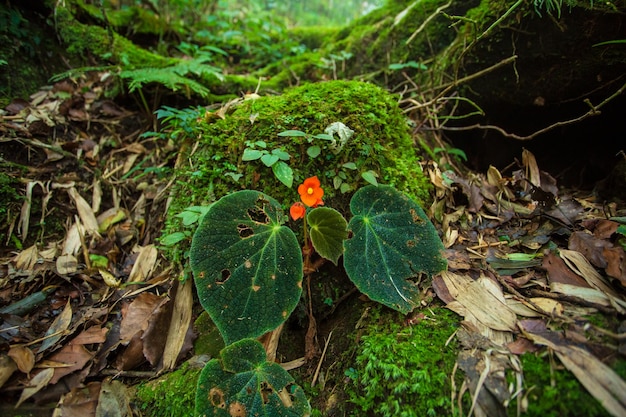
(428, 19)
(593, 111)
(319, 364)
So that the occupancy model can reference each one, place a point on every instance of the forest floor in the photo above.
(531, 266)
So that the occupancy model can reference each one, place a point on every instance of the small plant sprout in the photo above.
(249, 269)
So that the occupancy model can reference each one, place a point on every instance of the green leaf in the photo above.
(621, 229)
(314, 151)
(269, 160)
(323, 136)
(283, 172)
(328, 231)
(243, 383)
(281, 154)
(292, 133)
(370, 176)
(173, 238)
(392, 244)
(247, 265)
(251, 154)
(349, 165)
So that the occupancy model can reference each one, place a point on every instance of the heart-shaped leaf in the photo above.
(247, 266)
(392, 244)
(252, 154)
(244, 383)
(283, 172)
(328, 231)
(269, 159)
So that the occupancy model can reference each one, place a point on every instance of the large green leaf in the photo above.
(328, 231)
(247, 266)
(393, 243)
(244, 383)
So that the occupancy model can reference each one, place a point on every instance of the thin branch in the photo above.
(428, 19)
(593, 111)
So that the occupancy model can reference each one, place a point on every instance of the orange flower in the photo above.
(310, 192)
(297, 211)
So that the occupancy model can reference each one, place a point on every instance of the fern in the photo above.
(173, 77)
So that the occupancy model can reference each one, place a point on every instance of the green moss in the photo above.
(381, 143)
(554, 392)
(85, 40)
(209, 341)
(405, 370)
(171, 395)
(313, 37)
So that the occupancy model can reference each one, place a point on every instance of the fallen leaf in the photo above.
(599, 379)
(36, 384)
(577, 262)
(590, 246)
(74, 357)
(114, 400)
(145, 263)
(85, 212)
(23, 357)
(27, 259)
(92, 335)
(483, 299)
(81, 401)
(58, 328)
(138, 314)
(179, 324)
(7, 367)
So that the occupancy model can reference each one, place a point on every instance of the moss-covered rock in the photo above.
(381, 145)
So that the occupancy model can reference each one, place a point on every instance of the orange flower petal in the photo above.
(311, 192)
(297, 211)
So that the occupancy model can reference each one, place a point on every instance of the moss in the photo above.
(381, 143)
(313, 37)
(83, 40)
(405, 370)
(171, 395)
(554, 392)
(11, 201)
(209, 341)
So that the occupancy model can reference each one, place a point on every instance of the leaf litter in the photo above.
(88, 305)
(88, 298)
(528, 269)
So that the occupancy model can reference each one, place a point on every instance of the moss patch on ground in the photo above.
(405, 369)
(172, 395)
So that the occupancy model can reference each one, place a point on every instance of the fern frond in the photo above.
(167, 76)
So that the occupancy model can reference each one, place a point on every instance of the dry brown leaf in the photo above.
(483, 298)
(36, 384)
(109, 278)
(85, 212)
(23, 357)
(94, 334)
(546, 305)
(577, 262)
(57, 328)
(114, 400)
(67, 264)
(27, 259)
(532, 169)
(72, 244)
(7, 367)
(616, 263)
(138, 314)
(558, 272)
(144, 265)
(599, 379)
(80, 402)
(181, 318)
(590, 246)
(74, 356)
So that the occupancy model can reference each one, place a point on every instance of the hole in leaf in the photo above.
(411, 243)
(216, 396)
(266, 391)
(258, 215)
(225, 276)
(244, 231)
